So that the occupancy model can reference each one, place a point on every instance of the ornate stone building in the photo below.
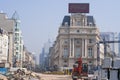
(77, 37)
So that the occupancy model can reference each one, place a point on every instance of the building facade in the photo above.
(41, 59)
(29, 60)
(13, 49)
(3, 46)
(119, 44)
(18, 42)
(7, 24)
(44, 56)
(77, 37)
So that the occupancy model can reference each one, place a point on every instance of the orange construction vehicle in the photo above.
(80, 70)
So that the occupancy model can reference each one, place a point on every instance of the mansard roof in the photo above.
(90, 21)
(66, 19)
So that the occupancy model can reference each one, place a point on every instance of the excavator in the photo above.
(80, 70)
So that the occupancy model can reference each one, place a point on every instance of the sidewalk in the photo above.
(3, 77)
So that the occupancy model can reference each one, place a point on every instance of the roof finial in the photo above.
(15, 16)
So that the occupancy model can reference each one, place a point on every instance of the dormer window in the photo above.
(90, 24)
(66, 23)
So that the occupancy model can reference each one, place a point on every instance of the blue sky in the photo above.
(40, 19)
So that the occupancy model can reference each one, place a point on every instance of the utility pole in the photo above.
(105, 53)
(105, 48)
(105, 45)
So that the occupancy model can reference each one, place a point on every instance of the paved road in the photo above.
(54, 77)
(31, 78)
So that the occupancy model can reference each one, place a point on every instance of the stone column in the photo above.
(85, 48)
(73, 54)
(70, 54)
(82, 48)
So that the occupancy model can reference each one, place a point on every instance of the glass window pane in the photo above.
(65, 52)
(77, 52)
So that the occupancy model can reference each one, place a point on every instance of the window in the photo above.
(90, 51)
(78, 30)
(91, 40)
(16, 39)
(65, 61)
(66, 23)
(17, 48)
(20, 48)
(77, 52)
(66, 41)
(65, 52)
(0, 51)
(77, 41)
(16, 29)
(16, 34)
(78, 23)
(90, 62)
(17, 55)
(1, 31)
(90, 24)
